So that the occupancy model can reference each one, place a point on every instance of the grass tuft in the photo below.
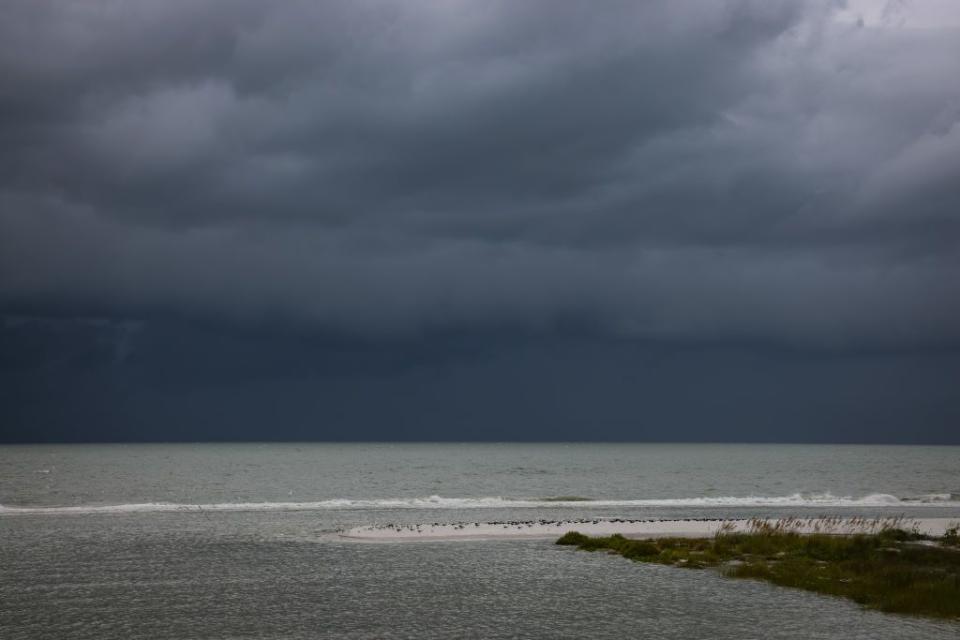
(885, 567)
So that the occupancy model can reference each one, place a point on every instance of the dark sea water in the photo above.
(240, 541)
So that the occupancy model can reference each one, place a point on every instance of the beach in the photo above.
(432, 541)
(682, 528)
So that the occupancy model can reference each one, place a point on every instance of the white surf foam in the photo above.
(934, 497)
(438, 502)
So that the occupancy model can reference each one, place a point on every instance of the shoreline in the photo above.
(889, 568)
(635, 529)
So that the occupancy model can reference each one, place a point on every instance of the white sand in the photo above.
(605, 527)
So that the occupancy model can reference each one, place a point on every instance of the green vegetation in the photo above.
(889, 569)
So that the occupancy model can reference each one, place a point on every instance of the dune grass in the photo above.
(888, 569)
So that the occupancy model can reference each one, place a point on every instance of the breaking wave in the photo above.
(438, 502)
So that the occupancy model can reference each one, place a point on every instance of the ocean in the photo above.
(242, 540)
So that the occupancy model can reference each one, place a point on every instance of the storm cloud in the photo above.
(783, 173)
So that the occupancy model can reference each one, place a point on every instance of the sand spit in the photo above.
(689, 528)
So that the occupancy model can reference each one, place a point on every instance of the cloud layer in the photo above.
(777, 170)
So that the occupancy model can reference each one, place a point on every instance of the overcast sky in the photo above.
(453, 219)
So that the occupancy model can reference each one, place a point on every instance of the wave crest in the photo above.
(495, 502)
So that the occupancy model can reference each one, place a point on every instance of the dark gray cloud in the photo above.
(785, 170)
(393, 188)
(94, 379)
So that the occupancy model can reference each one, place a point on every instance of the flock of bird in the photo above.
(519, 524)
